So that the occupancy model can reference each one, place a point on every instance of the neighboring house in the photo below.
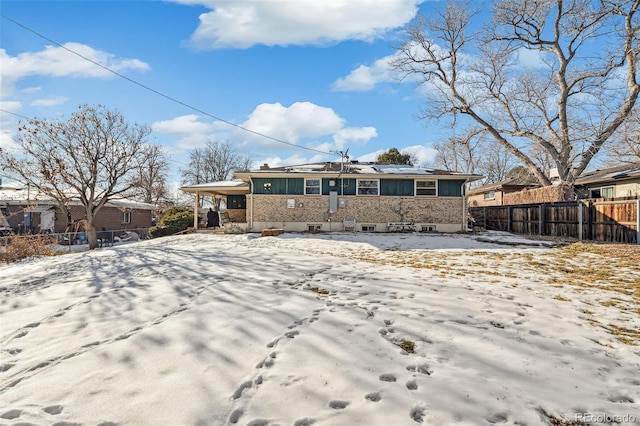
(620, 181)
(493, 193)
(354, 196)
(27, 210)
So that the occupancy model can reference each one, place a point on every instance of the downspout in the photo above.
(464, 205)
(251, 208)
(195, 214)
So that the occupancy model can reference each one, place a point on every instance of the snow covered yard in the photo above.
(335, 329)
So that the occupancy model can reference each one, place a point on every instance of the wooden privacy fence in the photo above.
(614, 220)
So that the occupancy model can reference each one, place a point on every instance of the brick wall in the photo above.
(273, 208)
(237, 215)
(545, 194)
(108, 217)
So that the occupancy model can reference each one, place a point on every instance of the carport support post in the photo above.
(195, 213)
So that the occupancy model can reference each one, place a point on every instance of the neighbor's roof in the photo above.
(16, 193)
(334, 168)
(518, 182)
(613, 174)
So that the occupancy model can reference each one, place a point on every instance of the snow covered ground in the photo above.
(332, 329)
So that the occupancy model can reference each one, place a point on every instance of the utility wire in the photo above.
(13, 113)
(160, 93)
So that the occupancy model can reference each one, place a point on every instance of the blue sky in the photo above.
(312, 73)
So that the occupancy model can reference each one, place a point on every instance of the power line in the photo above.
(160, 93)
(13, 113)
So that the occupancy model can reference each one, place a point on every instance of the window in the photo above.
(426, 188)
(368, 187)
(491, 195)
(607, 192)
(126, 217)
(312, 186)
(368, 228)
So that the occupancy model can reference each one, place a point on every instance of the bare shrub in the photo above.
(16, 248)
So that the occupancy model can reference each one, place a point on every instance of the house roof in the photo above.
(355, 168)
(516, 183)
(17, 194)
(226, 187)
(612, 174)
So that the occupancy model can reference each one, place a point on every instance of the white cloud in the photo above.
(424, 154)
(57, 100)
(528, 58)
(6, 137)
(354, 135)
(35, 89)
(300, 22)
(10, 106)
(320, 128)
(58, 62)
(185, 124)
(365, 78)
(303, 124)
(300, 120)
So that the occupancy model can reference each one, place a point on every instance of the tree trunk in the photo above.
(92, 237)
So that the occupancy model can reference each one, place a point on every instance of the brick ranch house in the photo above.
(333, 196)
(32, 211)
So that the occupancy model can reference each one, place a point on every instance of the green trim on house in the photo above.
(280, 186)
(342, 186)
(450, 188)
(397, 187)
(388, 187)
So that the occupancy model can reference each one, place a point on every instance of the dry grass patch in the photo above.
(22, 247)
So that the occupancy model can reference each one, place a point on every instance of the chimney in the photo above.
(265, 166)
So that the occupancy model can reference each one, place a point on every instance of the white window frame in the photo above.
(377, 187)
(125, 219)
(435, 187)
(490, 195)
(318, 186)
(607, 188)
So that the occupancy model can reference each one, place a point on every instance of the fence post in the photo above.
(580, 207)
(638, 221)
(509, 219)
(540, 220)
(485, 218)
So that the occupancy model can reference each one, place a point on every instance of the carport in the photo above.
(233, 191)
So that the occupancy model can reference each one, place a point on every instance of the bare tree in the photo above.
(460, 153)
(93, 156)
(475, 152)
(151, 179)
(215, 162)
(625, 147)
(567, 104)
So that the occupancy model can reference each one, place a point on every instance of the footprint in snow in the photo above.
(338, 405)
(387, 378)
(374, 396)
(53, 409)
(412, 385)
